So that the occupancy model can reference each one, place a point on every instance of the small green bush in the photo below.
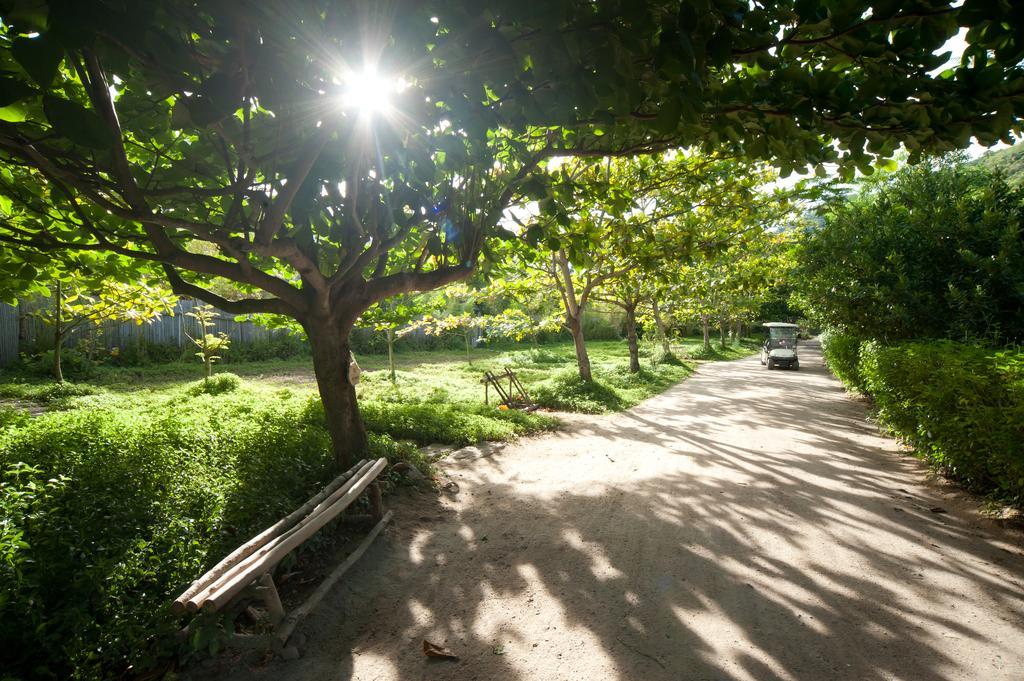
(280, 345)
(137, 352)
(217, 384)
(46, 393)
(566, 391)
(532, 356)
(73, 363)
(449, 423)
(669, 358)
(842, 353)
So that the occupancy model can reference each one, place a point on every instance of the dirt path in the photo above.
(743, 525)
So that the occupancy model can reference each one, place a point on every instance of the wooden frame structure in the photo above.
(246, 573)
(514, 396)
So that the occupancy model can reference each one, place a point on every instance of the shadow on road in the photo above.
(799, 550)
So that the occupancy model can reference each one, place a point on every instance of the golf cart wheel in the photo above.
(796, 366)
(771, 363)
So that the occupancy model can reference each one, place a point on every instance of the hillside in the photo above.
(1010, 161)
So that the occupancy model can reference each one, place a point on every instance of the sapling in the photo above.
(210, 345)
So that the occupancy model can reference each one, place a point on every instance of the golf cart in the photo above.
(779, 349)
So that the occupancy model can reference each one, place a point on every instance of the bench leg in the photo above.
(268, 592)
(376, 502)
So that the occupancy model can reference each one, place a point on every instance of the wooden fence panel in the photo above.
(9, 334)
(20, 330)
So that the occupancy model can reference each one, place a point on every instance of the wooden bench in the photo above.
(246, 574)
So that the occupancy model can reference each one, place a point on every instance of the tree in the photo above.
(210, 344)
(933, 251)
(77, 304)
(735, 268)
(462, 324)
(1007, 162)
(390, 315)
(515, 324)
(598, 229)
(264, 130)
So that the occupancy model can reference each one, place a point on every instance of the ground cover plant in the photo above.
(115, 503)
(548, 372)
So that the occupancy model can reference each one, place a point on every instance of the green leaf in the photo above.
(12, 91)
(534, 233)
(667, 119)
(15, 113)
(40, 57)
(78, 124)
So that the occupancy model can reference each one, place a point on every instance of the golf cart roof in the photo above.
(781, 325)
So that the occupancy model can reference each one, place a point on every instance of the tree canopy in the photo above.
(325, 155)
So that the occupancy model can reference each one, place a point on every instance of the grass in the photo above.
(430, 385)
(548, 372)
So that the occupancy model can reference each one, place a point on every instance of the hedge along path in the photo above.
(252, 563)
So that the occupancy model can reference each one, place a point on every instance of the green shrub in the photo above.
(842, 353)
(961, 407)
(215, 385)
(532, 356)
(659, 356)
(73, 364)
(566, 391)
(138, 352)
(449, 423)
(47, 393)
(147, 494)
(931, 251)
(280, 345)
(606, 325)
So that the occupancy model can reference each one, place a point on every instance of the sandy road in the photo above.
(745, 524)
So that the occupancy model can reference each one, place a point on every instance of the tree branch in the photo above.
(274, 218)
(244, 306)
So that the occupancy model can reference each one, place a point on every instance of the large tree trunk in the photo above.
(575, 326)
(573, 311)
(722, 340)
(634, 350)
(331, 360)
(660, 323)
(706, 326)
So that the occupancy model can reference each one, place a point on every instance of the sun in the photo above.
(369, 92)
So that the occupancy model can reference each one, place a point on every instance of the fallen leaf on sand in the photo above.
(434, 650)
